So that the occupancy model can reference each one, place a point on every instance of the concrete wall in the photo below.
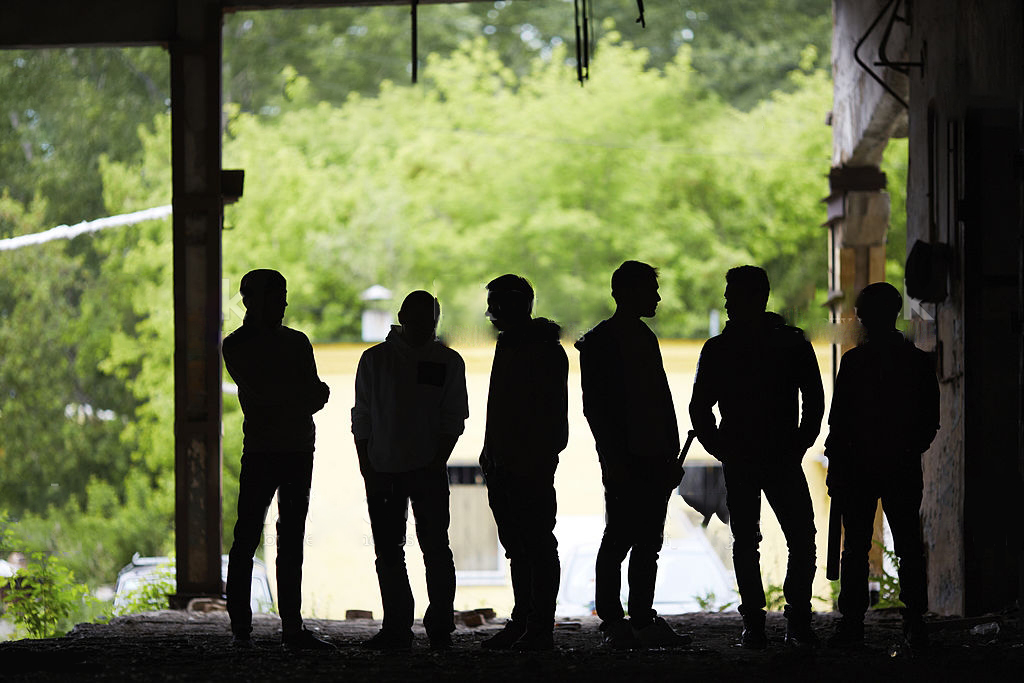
(972, 51)
(864, 116)
(963, 119)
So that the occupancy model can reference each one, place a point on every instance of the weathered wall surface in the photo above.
(973, 60)
(864, 115)
(964, 120)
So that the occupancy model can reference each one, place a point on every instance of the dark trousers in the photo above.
(634, 524)
(387, 500)
(899, 489)
(263, 474)
(786, 490)
(524, 512)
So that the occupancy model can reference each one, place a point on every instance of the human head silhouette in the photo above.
(635, 289)
(418, 317)
(746, 293)
(509, 301)
(878, 305)
(265, 296)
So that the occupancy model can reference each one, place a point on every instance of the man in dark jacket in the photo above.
(279, 390)
(764, 377)
(527, 427)
(885, 413)
(628, 404)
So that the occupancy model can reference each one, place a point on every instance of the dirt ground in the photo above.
(173, 645)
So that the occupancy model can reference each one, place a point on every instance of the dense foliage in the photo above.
(697, 144)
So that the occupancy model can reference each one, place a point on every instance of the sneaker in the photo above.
(242, 641)
(618, 635)
(505, 638)
(915, 631)
(658, 633)
(535, 641)
(306, 640)
(753, 636)
(800, 634)
(389, 641)
(848, 633)
(440, 642)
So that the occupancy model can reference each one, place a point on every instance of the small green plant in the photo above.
(774, 598)
(151, 593)
(833, 594)
(40, 598)
(889, 585)
(43, 599)
(709, 602)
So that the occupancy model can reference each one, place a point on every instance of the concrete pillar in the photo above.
(198, 219)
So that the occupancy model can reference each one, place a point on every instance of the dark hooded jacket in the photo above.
(627, 401)
(765, 379)
(885, 405)
(527, 403)
(278, 387)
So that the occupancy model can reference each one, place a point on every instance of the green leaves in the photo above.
(479, 171)
(41, 596)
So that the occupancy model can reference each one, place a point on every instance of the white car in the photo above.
(144, 570)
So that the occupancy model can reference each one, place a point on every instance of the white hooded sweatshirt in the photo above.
(406, 398)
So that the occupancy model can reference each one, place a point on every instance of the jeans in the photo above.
(786, 489)
(634, 524)
(263, 474)
(899, 489)
(387, 499)
(524, 511)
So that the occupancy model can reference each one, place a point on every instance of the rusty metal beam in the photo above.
(198, 220)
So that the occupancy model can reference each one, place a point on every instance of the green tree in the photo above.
(43, 597)
(141, 346)
(60, 419)
(894, 163)
(745, 49)
(63, 108)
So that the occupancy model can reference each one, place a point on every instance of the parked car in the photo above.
(142, 570)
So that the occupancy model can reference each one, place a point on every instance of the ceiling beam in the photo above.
(63, 23)
(57, 23)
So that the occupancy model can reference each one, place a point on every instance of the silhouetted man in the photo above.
(628, 403)
(527, 427)
(764, 377)
(885, 413)
(279, 390)
(410, 409)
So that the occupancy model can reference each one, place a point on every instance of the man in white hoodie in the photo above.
(411, 406)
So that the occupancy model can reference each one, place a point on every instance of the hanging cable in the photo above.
(584, 34)
(579, 44)
(412, 11)
(588, 33)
